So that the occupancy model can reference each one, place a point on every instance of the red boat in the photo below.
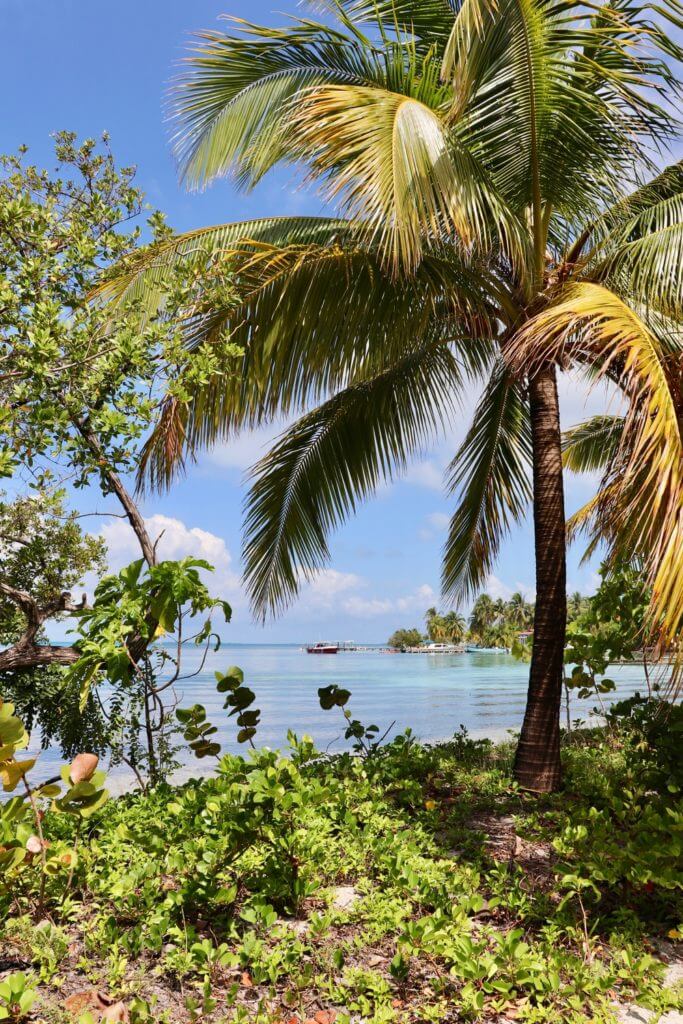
(323, 648)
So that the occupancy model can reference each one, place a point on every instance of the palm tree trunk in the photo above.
(537, 763)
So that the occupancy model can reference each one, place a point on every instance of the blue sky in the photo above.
(91, 66)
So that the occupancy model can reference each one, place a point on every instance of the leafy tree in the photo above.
(491, 163)
(612, 628)
(79, 389)
(402, 638)
(43, 554)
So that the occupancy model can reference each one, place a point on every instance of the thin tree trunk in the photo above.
(537, 763)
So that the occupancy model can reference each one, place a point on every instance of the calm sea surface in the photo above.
(433, 694)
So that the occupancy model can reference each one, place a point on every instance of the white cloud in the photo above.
(425, 474)
(438, 520)
(175, 541)
(242, 451)
(419, 600)
(333, 593)
(361, 607)
(496, 588)
(435, 523)
(326, 586)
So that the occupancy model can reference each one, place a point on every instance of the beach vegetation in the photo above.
(402, 638)
(447, 627)
(414, 883)
(499, 216)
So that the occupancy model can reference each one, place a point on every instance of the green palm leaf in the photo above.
(549, 100)
(592, 444)
(428, 21)
(311, 320)
(142, 277)
(490, 473)
(231, 102)
(646, 263)
(330, 460)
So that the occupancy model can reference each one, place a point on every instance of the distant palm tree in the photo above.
(483, 615)
(432, 623)
(499, 608)
(489, 160)
(518, 610)
(455, 627)
(575, 604)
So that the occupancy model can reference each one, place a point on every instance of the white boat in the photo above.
(473, 649)
(442, 648)
(322, 647)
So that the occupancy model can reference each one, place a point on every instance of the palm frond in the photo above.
(143, 276)
(390, 160)
(550, 99)
(313, 319)
(617, 218)
(592, 444)
(231, 103)
(429, 22)
(641, 511)
(491, 475)
(330, 460)
(645, 262)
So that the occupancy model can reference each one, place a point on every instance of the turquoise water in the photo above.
(431, 694)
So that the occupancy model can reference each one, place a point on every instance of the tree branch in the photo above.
(26, 653)
(130, 507)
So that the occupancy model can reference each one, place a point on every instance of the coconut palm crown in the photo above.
(492, 164)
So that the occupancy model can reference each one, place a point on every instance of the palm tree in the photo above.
(455, 627)
(499, 609)
(483, 615)
(516, 610)
(490, 164)
(575, 604)
(432, 623)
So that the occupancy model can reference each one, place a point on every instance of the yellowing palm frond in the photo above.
(642, 506)
(389, 160)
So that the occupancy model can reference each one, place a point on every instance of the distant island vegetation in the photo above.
(493, 622)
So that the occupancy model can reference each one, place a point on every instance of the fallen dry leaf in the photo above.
(81, 1001)
(325, 1017)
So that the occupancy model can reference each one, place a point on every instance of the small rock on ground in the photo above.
(344, 897)
(638, 1015)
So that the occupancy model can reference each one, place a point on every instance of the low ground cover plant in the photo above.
(411, 883)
